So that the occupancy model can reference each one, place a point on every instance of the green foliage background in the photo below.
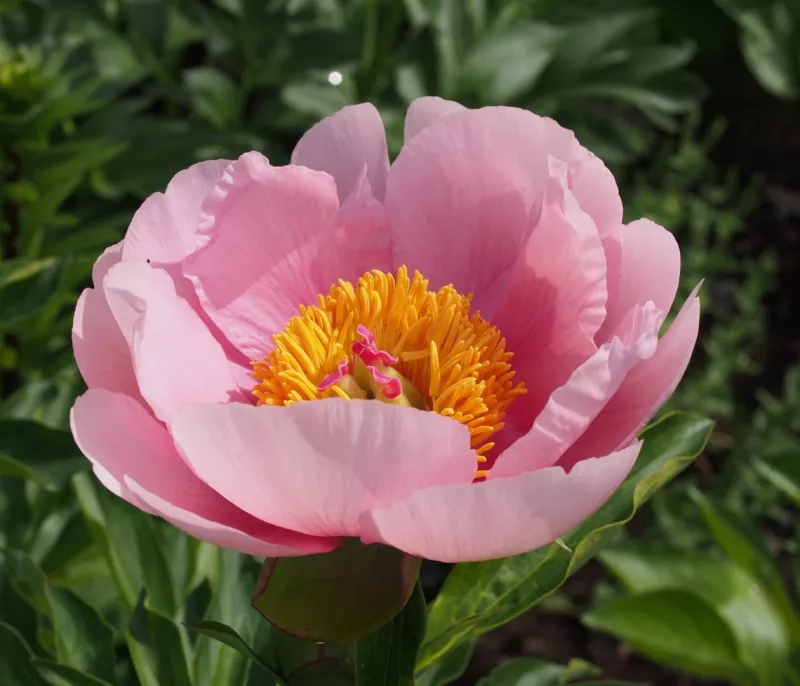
(102, 101)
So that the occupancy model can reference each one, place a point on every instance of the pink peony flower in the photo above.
(451, 355)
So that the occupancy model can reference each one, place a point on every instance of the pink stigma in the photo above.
(368, 351)
(343, 369)
(391, 386)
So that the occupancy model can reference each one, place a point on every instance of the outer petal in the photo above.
(424, 111)
(177, 360)
(572, 408)
(651, 265)
(555, 300)
(164, 227)
(135, 458)
(644, 390)
(315, 467)
(499, 517)
(344, 144)
(102, 354)
(262, 233)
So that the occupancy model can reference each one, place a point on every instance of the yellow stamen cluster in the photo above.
(457, 361)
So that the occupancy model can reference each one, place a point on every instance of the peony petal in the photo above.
(596, 191)
(461, 195)
(316, 466)
(424, 111)
(651, 265)
(163, 229)
(344, 144)
(134, 457)
(261, 259)
(101, 351)
(499, 517)
(555, 300)
(644, 390)
(572, 407)
(176, 359)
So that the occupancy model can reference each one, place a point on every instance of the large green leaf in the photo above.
(677, 628)
(33, 451)
(449, 668)
(480, 596)
(748, 549)
(732, 592)
(387, 656)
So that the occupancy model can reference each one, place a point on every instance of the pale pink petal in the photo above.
(461, 197)
(554, 304)
(572, 407)
(316, 466)
(361, 240)
(262, 232)
(596, 191)
(426, 110)
(499, 517)
(645, 389)
(176, 359)
(101, 351)
(164, 227)
(651, 265)
(344, 144)
(134, 457)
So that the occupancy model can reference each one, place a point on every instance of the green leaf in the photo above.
(676, 628)
(769, 38)
(339, 596)
(224, 634)
(158, 648)
(15, 658)
(83, 640)
(387, 656)
(480, 596)
(214, 96)
(148, 19)
(130, 540)
(232, 577)
(33, 451)
(783, 472)
(29, 286)
(57, 674)
(524, 672)
(748, 549)
(733, 593)
(508, 62)
(449, 668)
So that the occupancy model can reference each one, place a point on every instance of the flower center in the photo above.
(392, 339)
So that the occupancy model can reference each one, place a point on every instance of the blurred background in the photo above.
(692, 103)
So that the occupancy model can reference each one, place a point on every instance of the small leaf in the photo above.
(15, 658)
(448, 669)
(214, 96)
(33, 451)
(57, 674)
(387, 656)
(675, 628)
(529, 671)
(224, 634)
(158, 648)
(29, 287)
(337, 597)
